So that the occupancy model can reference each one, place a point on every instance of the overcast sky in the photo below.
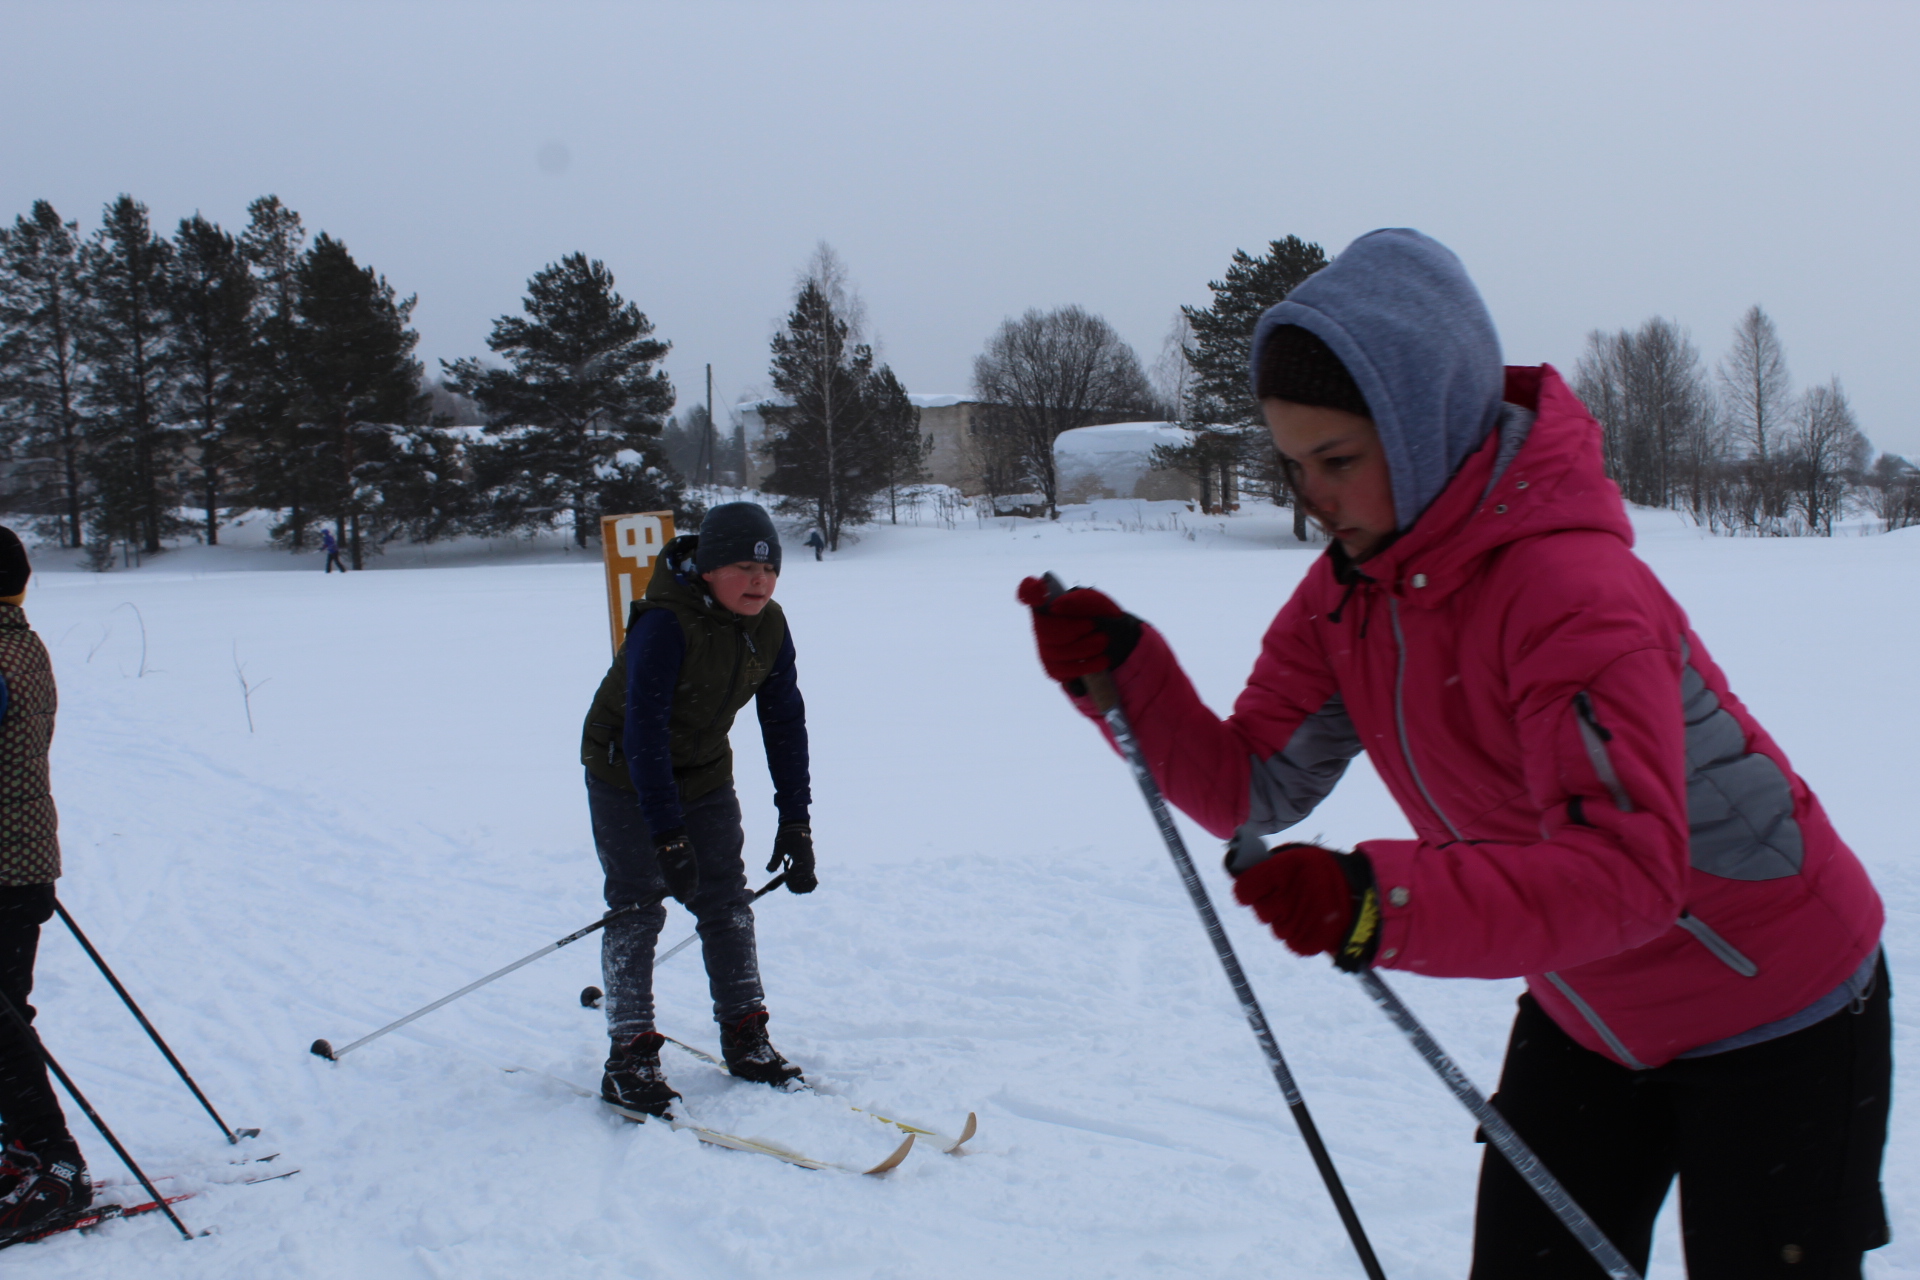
(1593, 164)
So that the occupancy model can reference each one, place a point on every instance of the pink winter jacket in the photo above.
(1594, 808)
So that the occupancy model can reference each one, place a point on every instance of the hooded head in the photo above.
(1397, 311)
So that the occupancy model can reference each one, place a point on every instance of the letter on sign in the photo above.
(630, 544)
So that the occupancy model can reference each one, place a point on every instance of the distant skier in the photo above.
(332, 548)
(1593, 809)
(42, 1174)
(818, 543)
(704, 641)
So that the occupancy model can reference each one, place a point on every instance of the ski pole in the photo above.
(323, 1049)
(590, 997)
(232, 1135)
(1106, 697)
(26, 1029)
(1501, 1134)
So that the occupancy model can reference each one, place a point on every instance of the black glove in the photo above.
(793, 849)
(677, 866)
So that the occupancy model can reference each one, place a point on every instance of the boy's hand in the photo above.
(677, 865)
(793, 850)
(1079, 632)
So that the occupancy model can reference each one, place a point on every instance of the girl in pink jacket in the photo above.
(1594, 809)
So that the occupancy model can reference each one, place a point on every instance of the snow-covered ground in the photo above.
(998, 928)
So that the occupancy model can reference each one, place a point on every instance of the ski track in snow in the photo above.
(998, 928)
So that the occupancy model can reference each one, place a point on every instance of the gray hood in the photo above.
(1400, 312)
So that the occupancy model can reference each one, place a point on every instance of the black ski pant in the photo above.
(721, 905)
(1777, 1147)
(333, 562)
(28, 1106)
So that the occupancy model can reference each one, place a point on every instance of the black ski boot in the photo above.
(635, 1079)
(751, 1056)
(41, 1185)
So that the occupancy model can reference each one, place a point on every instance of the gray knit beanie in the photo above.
(736, 531)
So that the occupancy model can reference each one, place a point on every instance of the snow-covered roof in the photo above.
(919, 402)
(1118, 438)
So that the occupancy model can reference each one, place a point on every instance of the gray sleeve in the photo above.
(1289, 784)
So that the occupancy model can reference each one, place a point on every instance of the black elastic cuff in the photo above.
(1123, 634)
(1356, 950)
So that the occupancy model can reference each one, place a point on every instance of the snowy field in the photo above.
(997, 929)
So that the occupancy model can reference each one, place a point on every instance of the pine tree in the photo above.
(829, 444)
(1222, 346)
(213, 347)
(359, 387)
(576, 417)
(127, 270)
(280, 446)
(903, 449)
(1223, 333)
(42, 308)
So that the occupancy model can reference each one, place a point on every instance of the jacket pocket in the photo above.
(1723, 950)
(1595, 737)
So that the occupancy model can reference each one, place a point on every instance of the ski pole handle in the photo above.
(1101, 689)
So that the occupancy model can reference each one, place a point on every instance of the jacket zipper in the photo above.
(1400, 719)
(1594, 1020)
(1725, 951)
(1596, 737)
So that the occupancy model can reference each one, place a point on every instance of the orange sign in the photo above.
(629, 545)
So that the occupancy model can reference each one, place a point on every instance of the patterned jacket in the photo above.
(29, 827)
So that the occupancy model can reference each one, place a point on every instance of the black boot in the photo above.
(751, 1056)
(43, 1183)
(635, 1079)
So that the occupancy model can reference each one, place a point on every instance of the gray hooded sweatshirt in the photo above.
(1398, 310)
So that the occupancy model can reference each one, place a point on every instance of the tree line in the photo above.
(152, 387)
(145, 376)
(1735, 445)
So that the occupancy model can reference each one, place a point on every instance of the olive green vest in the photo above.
(29, 840)
(728, 658)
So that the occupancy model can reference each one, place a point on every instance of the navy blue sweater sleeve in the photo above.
(783, 727)
(655, 650)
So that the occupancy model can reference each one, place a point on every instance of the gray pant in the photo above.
(720, 905)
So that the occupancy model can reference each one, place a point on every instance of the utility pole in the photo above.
(707, 444)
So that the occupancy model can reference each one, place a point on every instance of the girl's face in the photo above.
(1339, 470)
(744, 587)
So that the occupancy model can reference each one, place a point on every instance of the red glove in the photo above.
(1316, 901)
(1079, 632)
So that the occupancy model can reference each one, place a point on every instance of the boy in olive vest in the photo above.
(42, 1176)
(704, 641)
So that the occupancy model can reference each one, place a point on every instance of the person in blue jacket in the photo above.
(705, 640)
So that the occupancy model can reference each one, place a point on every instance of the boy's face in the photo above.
(1339, 470)
(744, 587)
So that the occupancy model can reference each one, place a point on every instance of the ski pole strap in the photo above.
(232, 1136)
(325, 1050)
(1501, 1134)
(80, 1100)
